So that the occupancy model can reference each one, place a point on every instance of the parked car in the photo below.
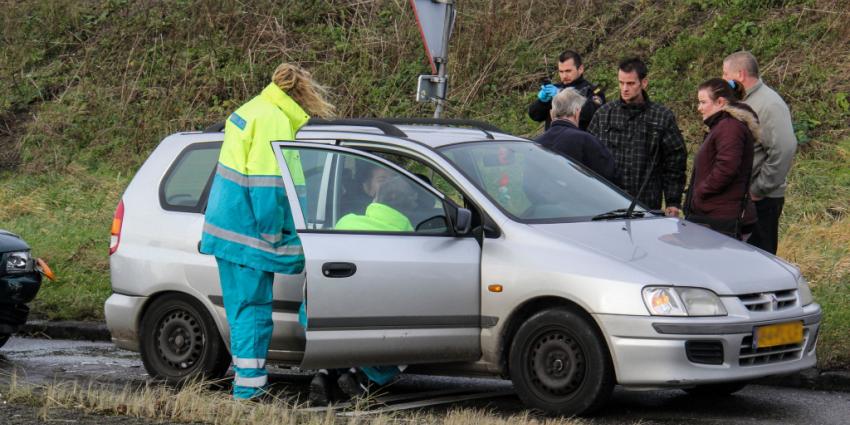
(20, 280)
(522, 265)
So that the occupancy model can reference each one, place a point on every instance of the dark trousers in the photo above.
(766, 234)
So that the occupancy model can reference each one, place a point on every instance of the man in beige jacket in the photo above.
(775, 152)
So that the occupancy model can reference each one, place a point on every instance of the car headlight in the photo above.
(19, 262)
(670, 301)
(805, 293)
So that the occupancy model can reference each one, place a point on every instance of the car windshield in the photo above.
(533, 184)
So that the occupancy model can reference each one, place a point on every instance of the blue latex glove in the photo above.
(547, 92)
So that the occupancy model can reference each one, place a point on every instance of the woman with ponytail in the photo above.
(248, 223)
(718, 195)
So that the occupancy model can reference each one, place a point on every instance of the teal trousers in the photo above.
(247, 295)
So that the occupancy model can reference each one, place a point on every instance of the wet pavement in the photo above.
(41, 361)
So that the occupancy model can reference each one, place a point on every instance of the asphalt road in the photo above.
(42, 361)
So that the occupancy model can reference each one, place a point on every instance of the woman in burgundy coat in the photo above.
(719, 192)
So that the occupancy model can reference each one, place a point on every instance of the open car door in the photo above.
(389, 280)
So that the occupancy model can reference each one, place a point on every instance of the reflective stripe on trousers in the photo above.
(247, 296)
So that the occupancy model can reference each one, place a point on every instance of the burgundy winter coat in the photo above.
(723, 165)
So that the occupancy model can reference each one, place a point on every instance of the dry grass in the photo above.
(196, 403)
(821, 250)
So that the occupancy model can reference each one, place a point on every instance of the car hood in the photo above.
(677, 252)
(11, 242)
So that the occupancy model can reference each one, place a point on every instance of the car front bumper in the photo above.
(19, 288)
(122, 314)
(652, 351)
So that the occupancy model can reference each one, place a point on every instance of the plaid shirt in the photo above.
(634, 133)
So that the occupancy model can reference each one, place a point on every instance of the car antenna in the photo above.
(635, 198)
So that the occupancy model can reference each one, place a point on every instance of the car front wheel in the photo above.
(560, 365)
(179, 341)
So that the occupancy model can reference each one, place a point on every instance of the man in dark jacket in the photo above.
(566, 138)
(645, 141)
(571, 73)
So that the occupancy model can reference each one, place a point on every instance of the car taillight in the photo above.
(115, 232)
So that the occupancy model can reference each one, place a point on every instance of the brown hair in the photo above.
(299, 84)
(732, 90)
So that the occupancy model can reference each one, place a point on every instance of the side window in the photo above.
(185, 185)
(347, 192)
(426, 173)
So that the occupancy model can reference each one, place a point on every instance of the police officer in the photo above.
(248, 223)
(571, 72)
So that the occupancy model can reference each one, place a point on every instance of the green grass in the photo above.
(66, 220)
(88, 88)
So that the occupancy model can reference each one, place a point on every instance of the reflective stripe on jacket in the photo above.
(248, 220)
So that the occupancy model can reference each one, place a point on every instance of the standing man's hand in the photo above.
(755, 197)
(671, 212)
(547, 92)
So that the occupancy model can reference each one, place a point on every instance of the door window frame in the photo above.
(298, 215)
(368, 147)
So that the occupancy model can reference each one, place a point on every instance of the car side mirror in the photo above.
(462, 221)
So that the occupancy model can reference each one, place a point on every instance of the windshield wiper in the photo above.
(619, 213)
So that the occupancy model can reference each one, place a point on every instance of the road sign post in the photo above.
(435, 19)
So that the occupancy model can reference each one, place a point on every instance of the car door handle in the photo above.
(338, 269)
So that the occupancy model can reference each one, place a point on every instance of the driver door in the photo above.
(388, 281)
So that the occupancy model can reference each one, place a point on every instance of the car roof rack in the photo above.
(386, 127)
(214, 128)
(479, 125)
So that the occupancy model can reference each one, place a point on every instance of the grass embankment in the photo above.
(195, 403)
(88, 88)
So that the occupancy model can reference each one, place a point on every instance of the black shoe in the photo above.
(320, 390)
(353, 384)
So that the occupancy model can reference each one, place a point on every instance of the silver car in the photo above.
(522, 264)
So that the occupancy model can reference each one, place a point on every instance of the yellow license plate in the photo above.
(779, 334)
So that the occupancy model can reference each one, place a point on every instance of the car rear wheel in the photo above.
(560, 365)
(721, 389)
(3, 339)
(179, 341)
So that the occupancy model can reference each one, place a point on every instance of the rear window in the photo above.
(186, 184)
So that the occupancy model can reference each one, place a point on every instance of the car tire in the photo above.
(179, 341)
(717, 390)
(3, 339)
(559, 364)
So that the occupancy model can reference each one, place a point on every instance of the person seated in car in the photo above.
(362, 192)
(384, 213)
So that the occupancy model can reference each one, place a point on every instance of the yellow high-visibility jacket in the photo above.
(248, 220)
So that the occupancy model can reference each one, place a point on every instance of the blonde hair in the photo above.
(299, 84)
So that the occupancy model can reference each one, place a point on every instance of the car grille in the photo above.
(781, 353)
(770, 301)
(704, 352)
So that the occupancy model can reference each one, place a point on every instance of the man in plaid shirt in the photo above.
(644, 138)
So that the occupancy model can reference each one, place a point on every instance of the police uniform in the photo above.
(540, 111)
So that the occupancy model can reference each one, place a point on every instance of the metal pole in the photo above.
(441, 86)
